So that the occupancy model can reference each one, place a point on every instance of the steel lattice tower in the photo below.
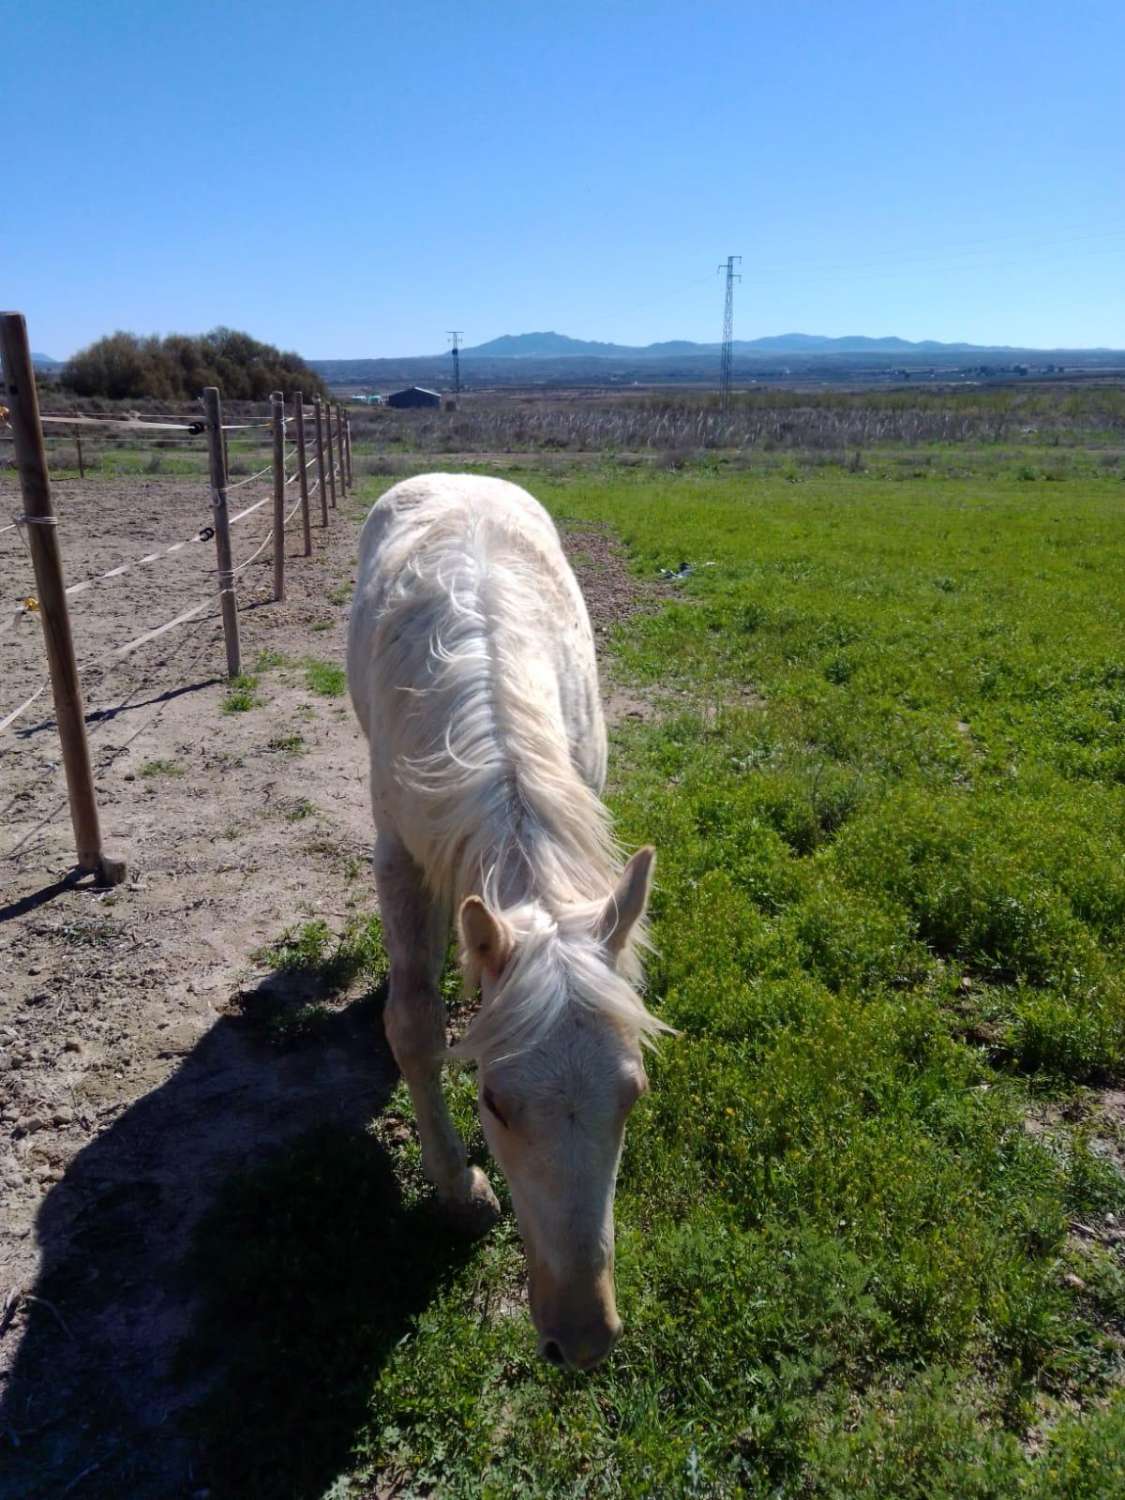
(455, 350)
(727, 360)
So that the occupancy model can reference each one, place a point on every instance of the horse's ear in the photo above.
(486, 940)
(626, 906)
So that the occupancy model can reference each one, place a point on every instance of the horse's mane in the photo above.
(499, 806)
(485, 759)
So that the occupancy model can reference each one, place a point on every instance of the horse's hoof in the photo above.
(473, 1209)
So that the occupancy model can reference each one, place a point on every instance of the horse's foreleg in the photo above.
(416, 930)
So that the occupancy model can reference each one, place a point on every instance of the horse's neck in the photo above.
(523, 858)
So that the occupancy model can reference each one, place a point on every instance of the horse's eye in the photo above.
(490, 1105)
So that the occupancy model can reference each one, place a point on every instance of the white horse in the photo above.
(472, 671)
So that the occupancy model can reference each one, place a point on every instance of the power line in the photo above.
(727, 358)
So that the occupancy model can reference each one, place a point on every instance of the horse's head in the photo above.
(558, 1044)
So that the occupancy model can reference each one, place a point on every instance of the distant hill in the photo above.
(560, 346)
(815, 343)
(543, 346)
(45, 362)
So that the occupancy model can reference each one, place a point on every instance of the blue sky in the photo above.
(353, 180)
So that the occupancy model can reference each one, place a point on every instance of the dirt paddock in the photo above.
(130, 1084)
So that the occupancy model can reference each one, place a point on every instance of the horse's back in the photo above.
(400, 519)
(417, 523)
(428, 545)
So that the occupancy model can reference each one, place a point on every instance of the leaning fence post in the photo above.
(320, 479)
(348, 444)
(331, 460)
(213, 406)
(299, 423)
(277, 411)
(22, 400)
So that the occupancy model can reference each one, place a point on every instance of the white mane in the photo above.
(496, 805)
(495, 789)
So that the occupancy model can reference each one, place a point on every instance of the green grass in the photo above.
(889, 928)
(242, 695)
(153, 768)
(337, 959)
(325, 678)
(316, 967)
(288, 744)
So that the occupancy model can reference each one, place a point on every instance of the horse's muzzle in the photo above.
(584, 1349)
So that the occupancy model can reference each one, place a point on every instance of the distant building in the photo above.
(414, 395)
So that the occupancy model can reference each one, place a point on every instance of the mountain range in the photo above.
(554, 359)
(560, 346)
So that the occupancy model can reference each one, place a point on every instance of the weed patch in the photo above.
(153, 768)
(336, 960)
(242, 695)
(325, 678)
(288, 744)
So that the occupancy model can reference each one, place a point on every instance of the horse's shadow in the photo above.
(223, 1272)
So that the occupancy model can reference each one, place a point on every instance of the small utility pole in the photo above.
(22, 400)
(455, 335)
(727, 360)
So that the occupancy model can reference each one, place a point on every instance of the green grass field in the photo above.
(867, 1216)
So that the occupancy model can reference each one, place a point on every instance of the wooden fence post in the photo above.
(331, 460)
(213, 407)
(81, 465)
(348, 442)
(303, 481)
(321, 480)
(344, 440)
(277, 409)
(341, 443)
(42, 536)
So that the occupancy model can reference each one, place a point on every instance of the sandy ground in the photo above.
(131, 1084)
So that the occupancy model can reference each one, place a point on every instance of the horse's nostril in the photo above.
(552, 1353)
